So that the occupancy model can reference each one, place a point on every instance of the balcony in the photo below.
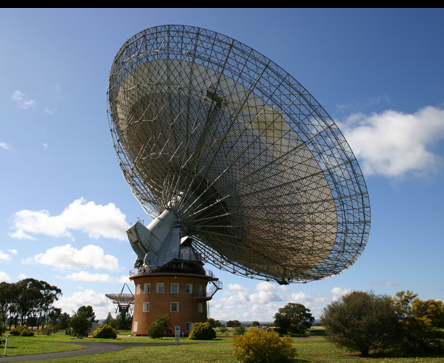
(154, 269)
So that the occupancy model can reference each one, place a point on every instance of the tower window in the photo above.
(174, 307)
(146, 307)
(160, 287)
(146, 288)
(174, 288)
(188, 288)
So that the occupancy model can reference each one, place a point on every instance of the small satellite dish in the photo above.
(124, 301)
(233, 159)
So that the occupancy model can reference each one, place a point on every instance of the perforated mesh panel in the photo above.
(280, 194)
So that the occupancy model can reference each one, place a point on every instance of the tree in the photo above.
(255, 324)
(7, 300)
(420, 321)
(82, 320)
(124, 321)
(233, 323)
(64, 321)
(214, 323)
(223, 329)
(31, 298)
(114, 323)
(361, 321)
(160, 328)
(293, 319)
(240, 330)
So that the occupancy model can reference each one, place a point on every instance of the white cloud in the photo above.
(264, 297)
(266, 286)
(67, 257)
(4, 277)
(338, 292)
(4, 256)
(13, 251)
(301, 298)
(89, 277)
(5, 146)
(262, 305)
(393, 143)
(95, 220)
(22, 276)
(19, 98)
(100, 303)
(387, 283)
(237, 287)
(124, 279)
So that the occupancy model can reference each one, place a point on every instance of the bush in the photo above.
(259, 346)
(105, 331)
(223, 329)
(202, 331)
(239, 330)
(23, 331)
(27, 333)
(160, 328)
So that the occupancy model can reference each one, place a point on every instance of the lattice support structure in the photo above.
(270, 187)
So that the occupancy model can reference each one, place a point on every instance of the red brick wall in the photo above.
(160, 303)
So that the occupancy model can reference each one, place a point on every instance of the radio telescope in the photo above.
(124, 302)
(235, 161)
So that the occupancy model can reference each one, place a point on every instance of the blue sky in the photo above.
(65, 205)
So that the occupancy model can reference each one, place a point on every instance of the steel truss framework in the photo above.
(271, 188)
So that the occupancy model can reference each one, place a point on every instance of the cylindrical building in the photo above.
(178, 290)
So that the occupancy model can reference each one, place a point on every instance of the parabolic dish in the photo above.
(269, 187)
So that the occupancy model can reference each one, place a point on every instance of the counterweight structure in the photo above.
(221, 145)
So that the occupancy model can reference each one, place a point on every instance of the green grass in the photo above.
(310, 349)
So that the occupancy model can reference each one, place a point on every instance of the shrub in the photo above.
(258, 346)
(27, 333)
(239, 330)
(160, 328)
(23, 331)
(202, 331)
(223, 329)
(105, 331)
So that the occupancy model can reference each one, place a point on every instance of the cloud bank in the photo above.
(95, 220)
(100, 303)
(238, 303)
(67, 257)
(394, 144)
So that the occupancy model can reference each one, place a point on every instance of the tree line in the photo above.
(366, 322)
(29, 301)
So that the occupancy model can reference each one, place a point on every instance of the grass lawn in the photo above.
(310, 349)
